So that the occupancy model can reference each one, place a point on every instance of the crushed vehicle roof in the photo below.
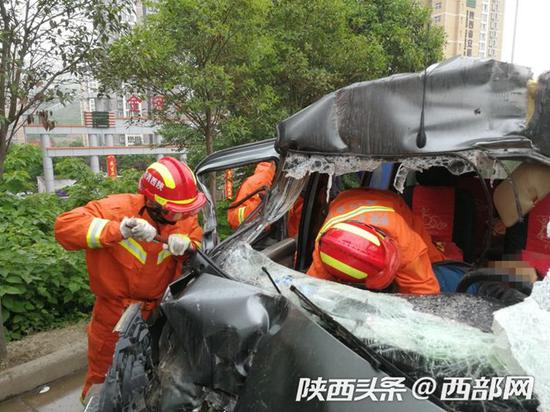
(456, 105)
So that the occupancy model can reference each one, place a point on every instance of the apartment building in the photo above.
(472, 27)
(121, 105)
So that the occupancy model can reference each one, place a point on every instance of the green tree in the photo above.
(199, 55)
(230, 70)
(43, 44)
(324, 45)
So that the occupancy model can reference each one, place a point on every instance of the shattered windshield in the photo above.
(416, 334)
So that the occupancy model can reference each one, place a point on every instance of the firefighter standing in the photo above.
(262, 178)
(372, 237)
(124, 264)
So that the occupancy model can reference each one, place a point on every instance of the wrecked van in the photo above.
(244, 329)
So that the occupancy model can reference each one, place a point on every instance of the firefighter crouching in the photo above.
(371, 237)
(124, 264)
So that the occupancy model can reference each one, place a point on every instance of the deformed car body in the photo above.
(245, 329)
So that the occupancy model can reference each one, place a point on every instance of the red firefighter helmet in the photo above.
(171, 184)
(356, 252)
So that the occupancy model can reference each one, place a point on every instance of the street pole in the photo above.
(515, 28)
(47, 164)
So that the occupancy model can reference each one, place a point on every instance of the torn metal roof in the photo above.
(460, 104)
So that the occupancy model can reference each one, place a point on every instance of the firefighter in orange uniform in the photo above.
(262, 177)
(372, 237)
(124, 262)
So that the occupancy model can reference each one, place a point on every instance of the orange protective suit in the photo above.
(122, 271)
(388, 212)
(294, 216)
(263, 176)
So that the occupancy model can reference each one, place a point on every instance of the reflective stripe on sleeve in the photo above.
(132, 246)
(162, 256)
(94, 232)
(240, 214)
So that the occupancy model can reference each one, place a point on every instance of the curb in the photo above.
(27, 376)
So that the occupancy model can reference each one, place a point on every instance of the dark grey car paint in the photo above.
(467, 103)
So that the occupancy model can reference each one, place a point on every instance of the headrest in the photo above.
(436, 205)
(532, 183)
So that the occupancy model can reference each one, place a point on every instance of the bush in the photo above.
(23, 164)
(41, 284)
(72, 168)
(92, 187)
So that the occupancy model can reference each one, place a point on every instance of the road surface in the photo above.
(63, 395)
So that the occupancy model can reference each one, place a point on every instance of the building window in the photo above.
(134, 139)
(469, 52)
(482, 37)
(471, 24)
(91, 104)
(437, 19)
(471, 14)
(484, 26)
(437, 6)
(470, 34)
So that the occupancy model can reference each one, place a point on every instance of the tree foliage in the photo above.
(22, 165)
(320, 46)
(198, 54)
(230, 70)
(42, 44)
(41, 284)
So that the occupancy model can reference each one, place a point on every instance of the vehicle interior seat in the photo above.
(471, 184)
(537, 245)
(448, 212)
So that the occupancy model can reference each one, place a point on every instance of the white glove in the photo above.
(137, 228)
(178, 244)
(126, 227)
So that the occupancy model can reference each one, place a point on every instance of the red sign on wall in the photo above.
(158, 102)
(134, 102)
(111, 166)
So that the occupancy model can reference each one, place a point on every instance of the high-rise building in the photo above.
(472, 27)
(119, 105)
